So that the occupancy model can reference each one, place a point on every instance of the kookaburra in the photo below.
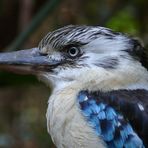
(99, 81)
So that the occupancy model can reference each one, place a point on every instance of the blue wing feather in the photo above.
(108, 121)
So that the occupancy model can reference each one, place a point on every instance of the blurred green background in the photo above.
(23, 23)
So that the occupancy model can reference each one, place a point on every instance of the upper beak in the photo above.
(26, 61)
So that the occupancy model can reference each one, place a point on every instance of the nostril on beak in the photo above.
(43, 54)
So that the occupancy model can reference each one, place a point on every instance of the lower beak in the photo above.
(26, 61)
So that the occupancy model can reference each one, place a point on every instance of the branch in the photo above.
(41, 15)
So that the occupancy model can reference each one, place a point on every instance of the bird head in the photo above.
(82, 54)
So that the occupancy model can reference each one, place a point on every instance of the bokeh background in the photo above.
(23, 23)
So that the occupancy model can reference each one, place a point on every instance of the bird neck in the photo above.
(105, 81)
(65, 123)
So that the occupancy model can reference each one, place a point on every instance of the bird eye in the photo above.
(73, 51)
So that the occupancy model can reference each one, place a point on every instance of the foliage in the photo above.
(125, 22)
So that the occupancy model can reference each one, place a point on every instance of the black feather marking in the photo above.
(138, 52)
(108, 63)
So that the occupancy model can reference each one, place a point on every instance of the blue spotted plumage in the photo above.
(108, 120)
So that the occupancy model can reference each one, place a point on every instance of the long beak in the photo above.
(26, 61)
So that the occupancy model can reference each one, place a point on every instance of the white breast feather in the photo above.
(65, 123)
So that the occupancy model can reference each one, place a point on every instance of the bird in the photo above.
(99, 83)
